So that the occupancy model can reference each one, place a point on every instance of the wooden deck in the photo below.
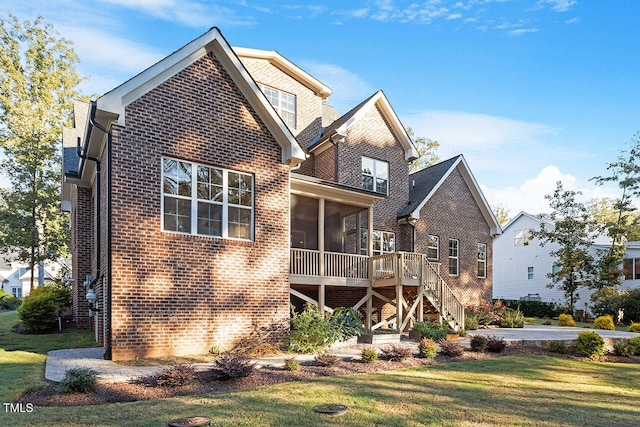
(398, 269)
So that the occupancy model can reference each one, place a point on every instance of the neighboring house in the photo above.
(16, 276)
(215, 188)
(521, 264)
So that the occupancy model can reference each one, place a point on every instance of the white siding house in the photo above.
(521, 264)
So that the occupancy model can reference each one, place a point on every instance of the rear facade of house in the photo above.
(216, 188)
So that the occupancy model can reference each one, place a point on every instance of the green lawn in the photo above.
(519, 390)
(23, 356)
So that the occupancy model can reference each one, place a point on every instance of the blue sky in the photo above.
(530, 91)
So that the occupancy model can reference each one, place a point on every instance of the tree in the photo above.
(37, 87)
(502, 214)
(427, 148)
(620, 222)
(572, 231)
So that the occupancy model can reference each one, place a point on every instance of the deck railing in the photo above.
(306, 262)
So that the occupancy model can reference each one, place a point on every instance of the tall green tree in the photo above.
(620, 220)
(572, 232)
(37, 85)
(502, 214)
(428, 150)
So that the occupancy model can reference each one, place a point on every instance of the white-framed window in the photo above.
(16, 292)
(631, 268)
(555, 269)
(529, 273)
(283, 102)
(482, 260)
(375, 175)
(454, 256)
(522, 237)
(205, 200)
(19, 272)
(384, 242)
(433, 247)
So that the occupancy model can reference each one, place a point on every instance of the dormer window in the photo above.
(375, 175)
(284, 103)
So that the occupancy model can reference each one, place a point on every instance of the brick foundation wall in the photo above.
(177, 294)
(452, 213)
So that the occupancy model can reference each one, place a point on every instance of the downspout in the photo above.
(107, 323)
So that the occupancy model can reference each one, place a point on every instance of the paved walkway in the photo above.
(58, 361)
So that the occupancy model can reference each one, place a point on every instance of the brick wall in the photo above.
(82, 255)
(308, 104)
(452, 213)
(176, 294)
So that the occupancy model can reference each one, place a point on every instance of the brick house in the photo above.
(216, 187)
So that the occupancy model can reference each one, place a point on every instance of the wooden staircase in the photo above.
(440, 295)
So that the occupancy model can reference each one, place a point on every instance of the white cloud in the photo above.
(572, 20)
(461, 132)
(523, 31)
(188, 12)
(349, 89)
(557, 5)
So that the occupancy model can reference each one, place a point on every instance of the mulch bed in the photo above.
(147, 389)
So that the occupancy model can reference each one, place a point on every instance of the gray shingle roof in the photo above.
(70, 160)
(421, 183)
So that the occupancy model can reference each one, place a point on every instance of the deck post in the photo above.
(321, 236)
(369, 320)
(399, 307)
(321, 302)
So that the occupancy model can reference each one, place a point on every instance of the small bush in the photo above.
(176, 376)
(291, 364)
(396, 353)
(451, 348)
(9, 302)
(310, 331)
(546, 322)
(478, 343)
(530, 320)
(78, 380)
(512, 319)
(634, 327)
(635, 345)
(495, 344)
(622, 348)
(326, 359)
(558, 347)
(604, 322)
(589, 344)
(427, 348)
(369, 355)
(566, 320)
(231, 367)
(471, 322)
(433, 330)
(40, 308)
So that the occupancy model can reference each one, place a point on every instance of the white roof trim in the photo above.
(379, 99)
(289, 67)
(115, 101)
(476, 192)
(528, 215)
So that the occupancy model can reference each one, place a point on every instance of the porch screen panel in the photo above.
(304, 222)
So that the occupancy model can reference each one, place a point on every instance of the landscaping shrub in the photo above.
(396, 353)
(558, 347)
(9, 302)
(232, 367)
(538, 309)
(291, 364)
(427, 348)
(369, 355)
(604, 322)
(566, 320)
(546, 322)
(78, 380)
(433, 330)
(326, 359)
(634, 343)
(478, 343)
(39, 309)
(634, 327)
(495, 344)
(451, 348)
(176, 375)
(589, 344)
(310, 331)
(486, 313)
(631, 305)
(512, 319)
(471, 323)
(622, 348)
